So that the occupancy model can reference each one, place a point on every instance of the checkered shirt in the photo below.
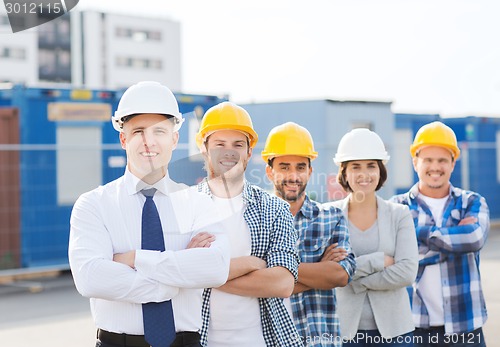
(456, 249)
(314, 310)
(273, 238)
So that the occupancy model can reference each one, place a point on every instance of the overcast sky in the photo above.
(434, 56)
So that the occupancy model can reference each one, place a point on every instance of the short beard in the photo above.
(295, 197)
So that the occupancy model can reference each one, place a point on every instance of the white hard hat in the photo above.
(147, 97)
(360, 144)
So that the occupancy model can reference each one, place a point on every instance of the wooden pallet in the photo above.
(29, 278)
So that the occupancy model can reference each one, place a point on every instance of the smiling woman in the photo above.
(383, 239)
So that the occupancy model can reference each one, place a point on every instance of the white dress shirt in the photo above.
(107, 220)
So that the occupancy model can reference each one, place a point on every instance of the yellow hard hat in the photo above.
(226, 116)
(435, 134)
(289, 139)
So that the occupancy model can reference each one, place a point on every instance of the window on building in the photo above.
(16, 53)
(62, 26)
(154, 35)
(46, 63)
(362, 124)
(156, 64)
(54, 50)
(47, 33)
(4, 20)
(139, 63)
(64, 59)
(138, 34)
(54, 65)
(63, 31)
(121, 61)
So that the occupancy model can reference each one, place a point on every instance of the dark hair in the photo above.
(270, 161)
(342, 180)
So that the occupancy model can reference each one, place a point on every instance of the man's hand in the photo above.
(468, 220)
(125, 258)
(388, 260)
(201, 240)
(300, 288)
(334, 253)
(244, 265)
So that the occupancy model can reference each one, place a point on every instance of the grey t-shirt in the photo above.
(365, 242)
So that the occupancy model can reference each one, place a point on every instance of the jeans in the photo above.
(435, 337)
(372, 338)
(196, 344)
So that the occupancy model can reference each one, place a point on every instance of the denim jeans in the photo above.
(102, 344)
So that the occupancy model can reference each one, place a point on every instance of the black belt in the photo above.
(126, 340)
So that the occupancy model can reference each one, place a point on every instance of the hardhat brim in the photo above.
(117, 121)
(342, 159)
(455, 151)
(209, 130)
(266, 155)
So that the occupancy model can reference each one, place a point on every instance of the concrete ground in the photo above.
(490, 265)
(49, 312)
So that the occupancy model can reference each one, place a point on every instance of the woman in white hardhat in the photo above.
(375, 304)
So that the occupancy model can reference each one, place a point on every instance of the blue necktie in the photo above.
(159, 327)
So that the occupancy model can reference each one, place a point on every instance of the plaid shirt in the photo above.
(456, 249)
(314, 310)
(273, 239)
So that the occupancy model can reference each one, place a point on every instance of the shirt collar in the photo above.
(248, 193)
(135, 185)
(308, 209)
(414, 192)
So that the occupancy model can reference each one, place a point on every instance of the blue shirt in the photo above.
(456, 249)
(314, 310)
(273, 238)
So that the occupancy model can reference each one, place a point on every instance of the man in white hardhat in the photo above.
(144, 272)
(326, 261)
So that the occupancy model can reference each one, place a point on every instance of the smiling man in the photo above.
(323, 243)
(452, 226)
(248, 310)
(143, 247)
